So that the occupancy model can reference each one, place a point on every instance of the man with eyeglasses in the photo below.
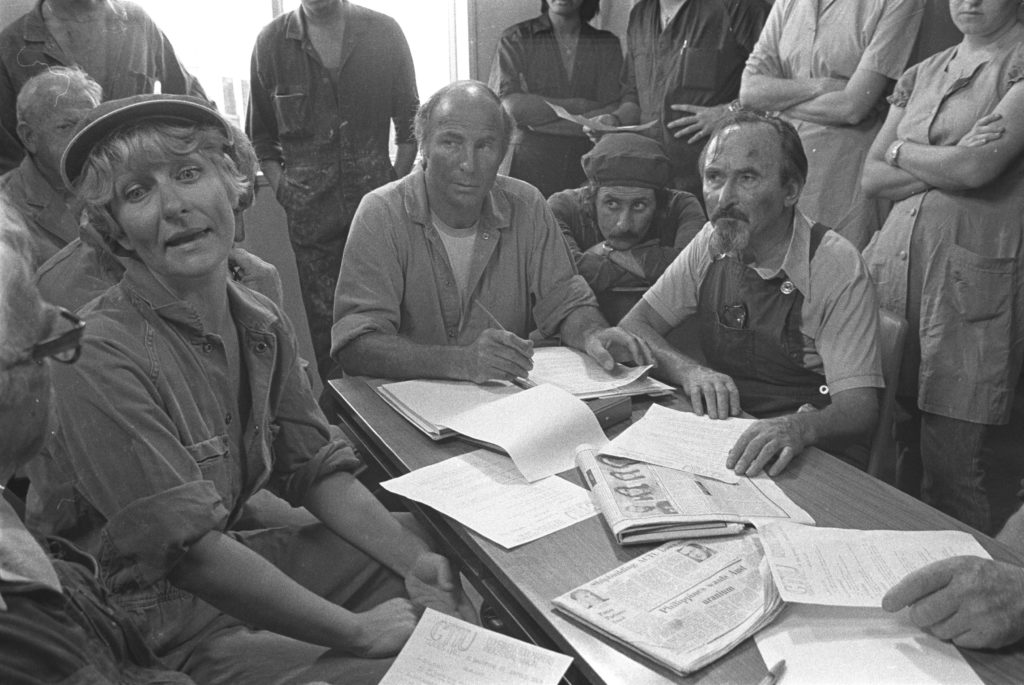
(56, 625)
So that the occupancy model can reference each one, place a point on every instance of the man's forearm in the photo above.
(672, 365)
(392, 356)
(848, 420)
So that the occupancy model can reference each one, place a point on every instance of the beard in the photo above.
(732, 231)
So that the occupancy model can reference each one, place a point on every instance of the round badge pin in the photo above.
(787, 287)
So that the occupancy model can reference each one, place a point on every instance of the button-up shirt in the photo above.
(833, 39)
(139, 55)
(697, 60)
(151, 430)
(958, 253)
(396, 277)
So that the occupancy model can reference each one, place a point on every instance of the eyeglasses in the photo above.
(64, 347)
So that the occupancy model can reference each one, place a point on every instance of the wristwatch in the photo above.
(892, 155)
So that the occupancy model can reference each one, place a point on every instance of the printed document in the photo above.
(843, 567)
(539, 428)
(428, 404)
(857, 645)
(444, 650)
(593, 124)
(681, 440)
(577, 373)
(485, 491)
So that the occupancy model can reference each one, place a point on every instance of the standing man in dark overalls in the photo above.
(327, 81)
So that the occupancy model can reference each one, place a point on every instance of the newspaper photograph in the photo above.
(683, 604)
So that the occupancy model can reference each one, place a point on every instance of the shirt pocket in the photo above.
(698, 68)
(213, 459)
(291, 110)
(980, 286)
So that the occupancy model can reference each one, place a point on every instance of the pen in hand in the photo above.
(773, 674)
(522, 382)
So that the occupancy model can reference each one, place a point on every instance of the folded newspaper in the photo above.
(683, 604)
(644, 503)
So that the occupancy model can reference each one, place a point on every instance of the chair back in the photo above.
(892, 333)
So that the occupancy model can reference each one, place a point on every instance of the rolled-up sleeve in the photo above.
(368, 296)
(126, 458)
(306, 447)
(555, 285)
(764, 58)
(404, 96)
(506, 73)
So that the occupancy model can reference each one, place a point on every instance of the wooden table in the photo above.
(520, 583)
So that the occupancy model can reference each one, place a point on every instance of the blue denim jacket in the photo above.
(142, 464)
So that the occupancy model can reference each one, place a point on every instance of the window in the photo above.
(214, 40)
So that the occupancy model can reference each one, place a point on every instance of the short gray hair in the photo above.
(58, 81)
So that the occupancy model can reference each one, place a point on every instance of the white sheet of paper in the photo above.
(681, 440)
(443, 650)
(593, 124)
(485, 491)
(857, 645)
(578, 373)
(844, 567)
(539, 428)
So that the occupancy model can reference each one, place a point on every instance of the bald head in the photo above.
(462, 96)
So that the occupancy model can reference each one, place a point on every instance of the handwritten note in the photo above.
(842, 567)
(446, 651)
(485, 491)
(681, 440)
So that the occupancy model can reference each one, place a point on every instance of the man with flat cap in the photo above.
(624, 227)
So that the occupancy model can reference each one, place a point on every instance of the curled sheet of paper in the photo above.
(594, 125)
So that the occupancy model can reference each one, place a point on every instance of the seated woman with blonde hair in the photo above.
(187, 399)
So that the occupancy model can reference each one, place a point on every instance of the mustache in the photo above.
(729, 213)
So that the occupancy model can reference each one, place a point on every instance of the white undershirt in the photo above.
(459, 244)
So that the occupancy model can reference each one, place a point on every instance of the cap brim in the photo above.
(111, 115)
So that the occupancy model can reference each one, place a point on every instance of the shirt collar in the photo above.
(22, 559)
(246, 307)
(494, 214)
(796, 265)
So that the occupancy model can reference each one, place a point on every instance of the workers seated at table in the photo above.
(448, 270)
(624, 227)
(973, 602)
(788, 317)
(187, 399)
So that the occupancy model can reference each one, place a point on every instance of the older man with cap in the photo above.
(624, 227)
(788, 315)
(449, 270)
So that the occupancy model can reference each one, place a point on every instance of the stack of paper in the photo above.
(847, 637)
(429, 405)
(577, 373)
